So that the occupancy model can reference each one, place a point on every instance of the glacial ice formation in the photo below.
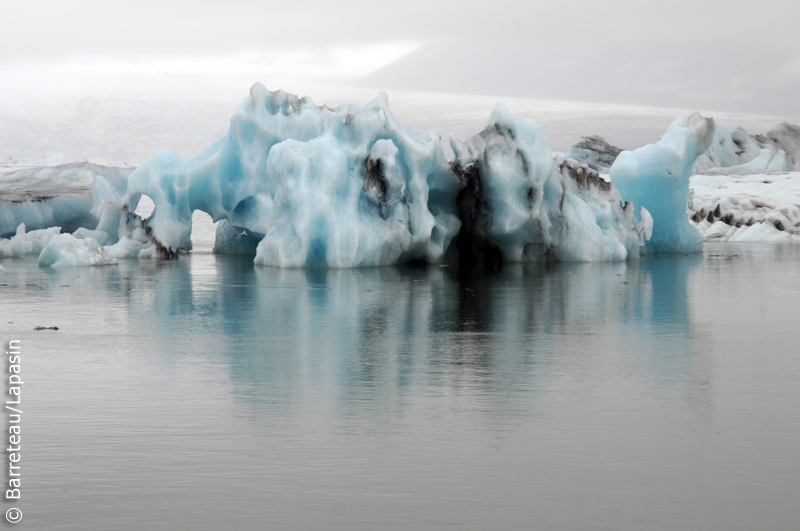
(123, 238)
(119, 235)
(348, 187)
(234, 240)
(343, 187)
(53, 212)
(296, 185)
(23, 242)
(519, 204)
(64, 250)
(656, 177)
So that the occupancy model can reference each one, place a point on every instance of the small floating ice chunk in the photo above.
(65, 250)
(24, 242)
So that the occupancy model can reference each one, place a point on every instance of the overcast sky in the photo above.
(711, 55)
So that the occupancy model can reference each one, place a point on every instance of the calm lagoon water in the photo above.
(207, 393)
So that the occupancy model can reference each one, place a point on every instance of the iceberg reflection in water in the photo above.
(219, 394)
(386, 332)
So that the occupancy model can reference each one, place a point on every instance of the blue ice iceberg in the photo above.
(343, 187)
(297, 185)
(656, 177)
(349, 187)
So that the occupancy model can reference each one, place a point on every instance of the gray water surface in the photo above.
(208, 393)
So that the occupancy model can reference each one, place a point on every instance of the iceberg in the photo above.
(119, 235)
(656, 177)
(296, 185)
(518, 204)
(65, 250)
(71, 215)
(307, 186)
(318, 187)
(235, 240)
(784, 137)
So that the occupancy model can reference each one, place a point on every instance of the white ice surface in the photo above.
(738, 205)
(125, 237)
(735, 152)
(65, 250)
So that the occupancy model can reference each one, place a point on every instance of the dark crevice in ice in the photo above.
(375, 185)
(471, 243)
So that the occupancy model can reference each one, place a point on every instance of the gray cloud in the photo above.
(706, 75)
